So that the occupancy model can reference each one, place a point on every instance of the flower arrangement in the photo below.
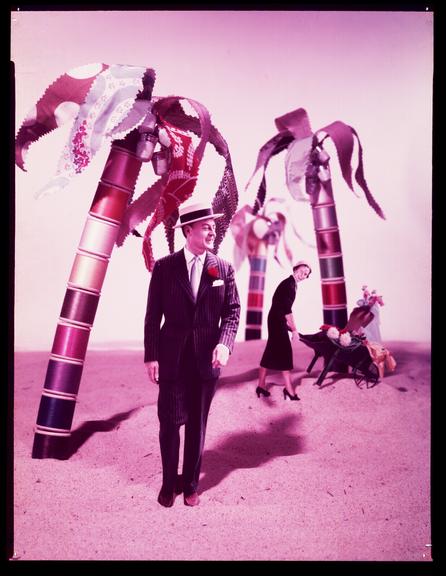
(213, 272)
(342, 336)
(371, 298)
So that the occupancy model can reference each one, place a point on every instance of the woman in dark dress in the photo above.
(278, 354)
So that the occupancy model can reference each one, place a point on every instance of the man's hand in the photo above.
(220, 356)
(153, 371)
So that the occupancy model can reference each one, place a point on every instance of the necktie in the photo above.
(195, 276)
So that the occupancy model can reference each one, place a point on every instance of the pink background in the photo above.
(372, 70)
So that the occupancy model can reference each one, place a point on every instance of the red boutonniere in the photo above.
(213, 272)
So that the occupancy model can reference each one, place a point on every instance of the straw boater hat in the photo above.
(194, 213)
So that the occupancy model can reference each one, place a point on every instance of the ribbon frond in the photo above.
(226, 197)
(105, 102)
(296, 122)
(59, 104)
(342, 136)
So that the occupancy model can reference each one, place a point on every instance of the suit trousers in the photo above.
(197, 396)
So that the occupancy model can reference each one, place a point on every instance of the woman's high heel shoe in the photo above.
(262, 392)
(286, 393)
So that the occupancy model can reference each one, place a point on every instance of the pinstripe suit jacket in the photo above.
(212, 319)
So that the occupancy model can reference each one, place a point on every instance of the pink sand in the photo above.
(344, 474)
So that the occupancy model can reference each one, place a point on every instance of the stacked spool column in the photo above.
(254, 312)
(334, 297)
(66, 362)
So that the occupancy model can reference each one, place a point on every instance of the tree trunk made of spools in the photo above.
(66, 362)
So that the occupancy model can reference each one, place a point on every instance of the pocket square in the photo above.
(217, 283)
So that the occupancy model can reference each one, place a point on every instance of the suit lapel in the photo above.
(182, 274)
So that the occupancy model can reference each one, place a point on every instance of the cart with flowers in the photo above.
(342, 346)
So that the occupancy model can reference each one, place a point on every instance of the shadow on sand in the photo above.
(250, 450)
(87, 429)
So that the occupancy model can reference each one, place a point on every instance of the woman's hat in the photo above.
(194, 213)
(302, 263)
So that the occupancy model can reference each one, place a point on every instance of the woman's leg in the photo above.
(287, 381)
(262, 377)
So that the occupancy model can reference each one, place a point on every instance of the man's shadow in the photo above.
(250, 450)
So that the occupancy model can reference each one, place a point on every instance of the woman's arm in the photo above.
(290, 322)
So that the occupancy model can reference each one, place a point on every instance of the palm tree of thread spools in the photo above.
(256, 287)
(253, 234)
(112, 102)
(100, 98)
(114, 191)
(328, 240)
(307, 161)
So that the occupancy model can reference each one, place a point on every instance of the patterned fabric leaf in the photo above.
(108, 102)
(226, 198)
(139, 109)
(181, 181)
(59, 104)
(104, 110)
(162, 107)
(169, 231)
(225, 201)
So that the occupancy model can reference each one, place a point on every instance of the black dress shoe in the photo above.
(166, 500)
(262, 392)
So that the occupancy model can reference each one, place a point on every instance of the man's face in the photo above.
(201, 236)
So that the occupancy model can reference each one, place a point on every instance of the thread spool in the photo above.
(122, 166)
(334, 293)
(254, 317)
(255, 300)
(324, 216)
(328, 242)
(110, 202)
(63, 376)
(257, 283)
(79, 306)
(254, 313)
(98, 236)
(335, 316)
(88, 272)
(331, 267)
(70, 341)
(55, 414)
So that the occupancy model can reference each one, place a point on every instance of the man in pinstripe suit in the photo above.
(195, 293)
